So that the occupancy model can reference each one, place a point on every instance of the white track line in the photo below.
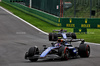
(23, 20)
(92, 43)
(34, 26)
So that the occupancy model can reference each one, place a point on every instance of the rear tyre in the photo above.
(32, 51)
(53, 37)
(68, 34)
(50, 36)
(84, 50)
(73, 35)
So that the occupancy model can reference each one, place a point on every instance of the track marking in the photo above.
(92, 43)
(24, 21)
(34, 26)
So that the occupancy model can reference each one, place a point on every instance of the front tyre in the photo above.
(32, 51)
(26, 55)
(64, 53)
(33, 60)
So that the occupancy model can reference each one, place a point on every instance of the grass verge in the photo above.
(92, 36)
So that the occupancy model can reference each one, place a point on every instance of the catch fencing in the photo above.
(57, 21)
(82, 8)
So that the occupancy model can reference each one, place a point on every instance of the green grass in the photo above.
(92, 36)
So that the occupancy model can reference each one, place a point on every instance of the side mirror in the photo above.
(44, 46)
(53, 44)
(82, 42)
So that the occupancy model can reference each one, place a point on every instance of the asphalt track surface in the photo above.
(16, 37)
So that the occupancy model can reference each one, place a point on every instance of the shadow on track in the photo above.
(51, 60)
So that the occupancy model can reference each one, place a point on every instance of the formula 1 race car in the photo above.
(60, 34)
(61, 49)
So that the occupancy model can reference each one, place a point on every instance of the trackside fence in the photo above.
(34, 12)
(57, 21)
(50, 6)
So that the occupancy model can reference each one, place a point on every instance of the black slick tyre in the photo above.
(64, 53)
(26, 55)
(55, 37)
(33, 60)
(84, 50)
(68, 34)
(73, 35)
(32, 51)
(50, 36)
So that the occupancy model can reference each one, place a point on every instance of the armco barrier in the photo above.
(34, 12)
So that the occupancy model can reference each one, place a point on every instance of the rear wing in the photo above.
(75, 40)
(69, 40)
(59, 31)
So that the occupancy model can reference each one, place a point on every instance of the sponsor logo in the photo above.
(86, 25)
(70, 25)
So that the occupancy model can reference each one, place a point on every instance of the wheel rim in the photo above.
(66, 55)
(88, 50)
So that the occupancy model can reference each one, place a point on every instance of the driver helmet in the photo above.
(60, 40)
(57, 45)
(61, 30)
